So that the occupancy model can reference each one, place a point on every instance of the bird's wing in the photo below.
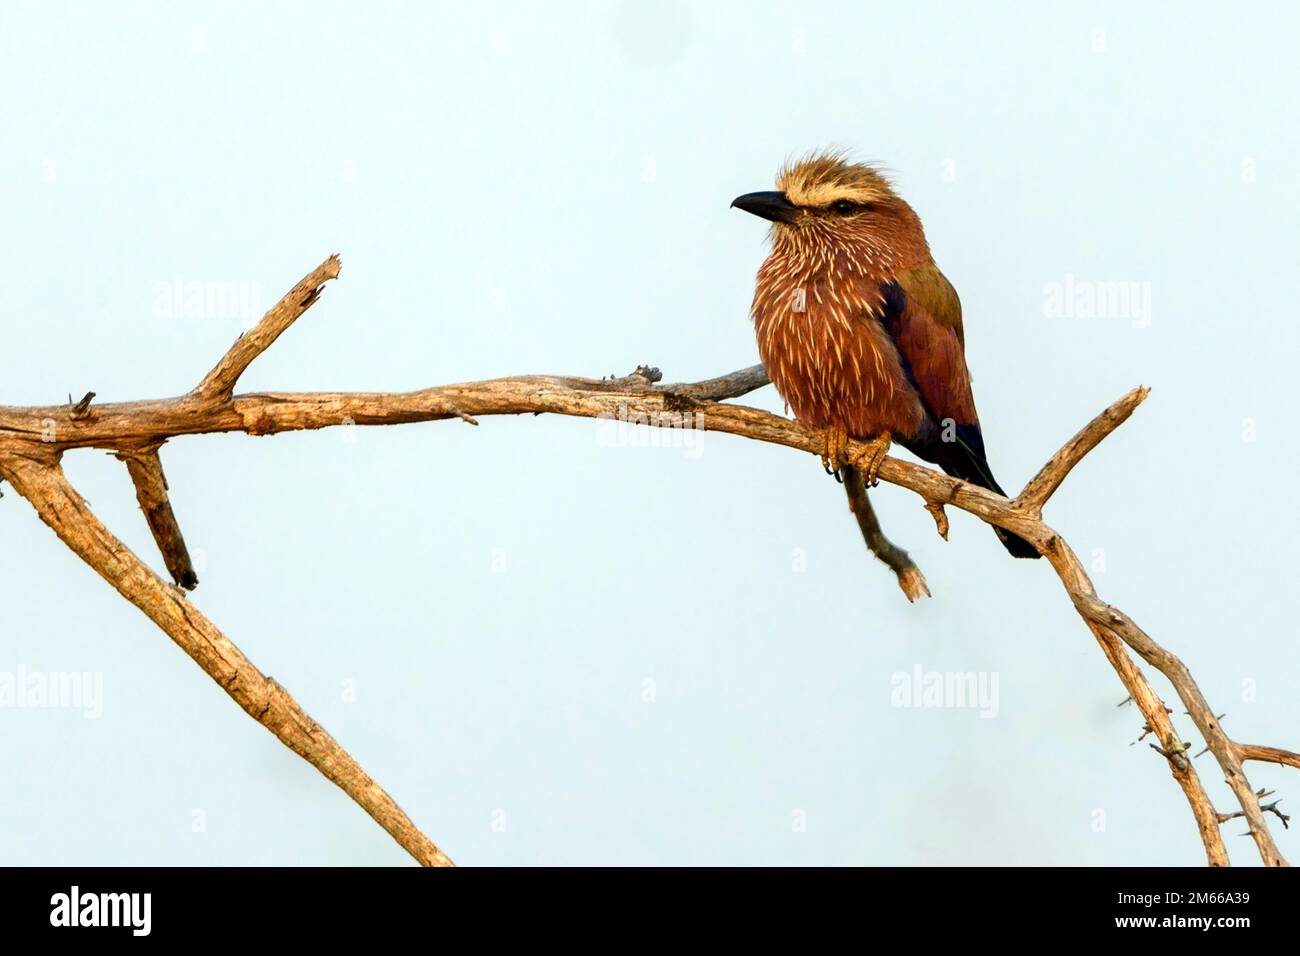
(923, 316)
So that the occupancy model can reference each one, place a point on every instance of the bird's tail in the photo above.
(964, 459)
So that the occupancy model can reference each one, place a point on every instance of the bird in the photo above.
(859, 330)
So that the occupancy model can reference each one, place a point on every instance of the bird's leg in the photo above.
(835, 443)
(869, 459)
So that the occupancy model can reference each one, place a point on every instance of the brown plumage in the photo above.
(857, 327)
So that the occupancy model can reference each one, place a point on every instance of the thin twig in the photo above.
(1265, 807)
(910, 578)
(146, 471)
(220, 382)
(1049, 478)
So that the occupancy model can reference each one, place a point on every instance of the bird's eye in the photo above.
(843, 207)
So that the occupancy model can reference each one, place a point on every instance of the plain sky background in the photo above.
(554, 651)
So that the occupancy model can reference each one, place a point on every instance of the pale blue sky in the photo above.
(475, 613)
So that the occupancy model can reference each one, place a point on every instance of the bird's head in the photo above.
(825, 204)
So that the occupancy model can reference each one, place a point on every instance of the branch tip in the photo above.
(910, 579)
(1043, 485)
(219, 384)
(940, 517)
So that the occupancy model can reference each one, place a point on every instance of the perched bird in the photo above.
(859, 330)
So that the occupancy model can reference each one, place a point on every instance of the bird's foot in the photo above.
(835, 454)
(868, 460)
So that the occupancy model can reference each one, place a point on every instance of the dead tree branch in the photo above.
(219, 384)
(41, 481)
(910, 578)
(32, 440)
(146, 471)
(33, 468)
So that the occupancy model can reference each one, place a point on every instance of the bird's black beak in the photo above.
(773, 206)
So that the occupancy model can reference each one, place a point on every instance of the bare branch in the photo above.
(41, 481)
(113, 425)
(1049, 478)
(1225, 751)
(32, 439)
(219, 384)
(910, 578)
(1265, 807)
(1268, 755)
(940, 517)
(145, 468)
(723, 387)
(1157, 722)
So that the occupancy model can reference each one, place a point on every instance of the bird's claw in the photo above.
(835, 443)
(868, 461)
